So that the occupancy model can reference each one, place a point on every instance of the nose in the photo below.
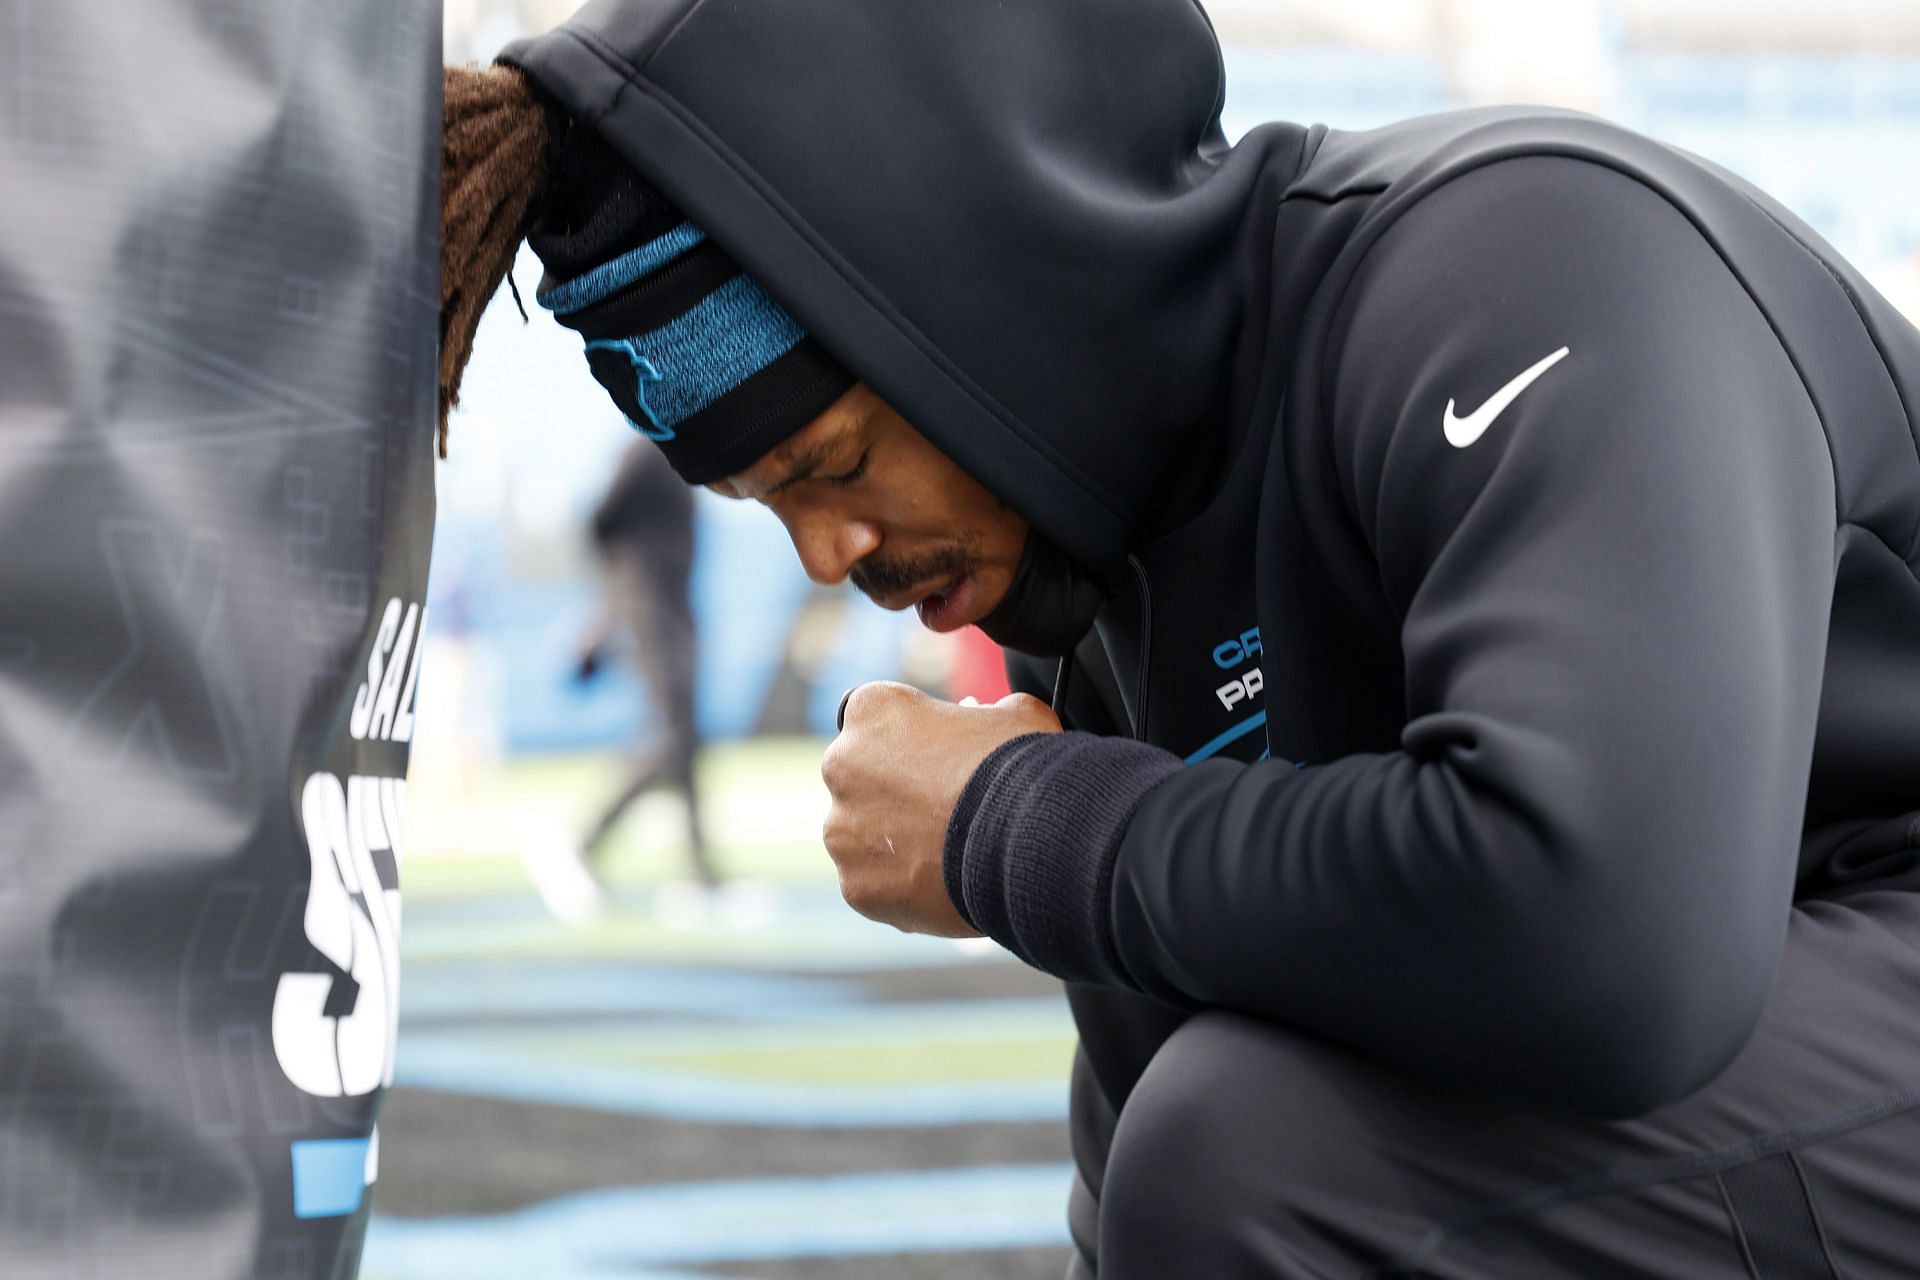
(829, 546)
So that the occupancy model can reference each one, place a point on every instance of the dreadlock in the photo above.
(493, 163)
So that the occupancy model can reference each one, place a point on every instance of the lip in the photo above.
(915, 596)
(953, 605)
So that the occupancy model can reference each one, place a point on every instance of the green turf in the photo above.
(636, 936)
(853, 1063)
(762, 801)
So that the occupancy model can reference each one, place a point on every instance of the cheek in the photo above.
(1004, 532)
(917, 512)
(935, 524)
(920, 499)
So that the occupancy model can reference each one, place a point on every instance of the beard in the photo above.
(877, 578)
(1048, 607)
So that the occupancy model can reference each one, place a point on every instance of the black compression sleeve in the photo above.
(1030, 847)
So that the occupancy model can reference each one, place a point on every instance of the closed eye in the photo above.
(859, 469)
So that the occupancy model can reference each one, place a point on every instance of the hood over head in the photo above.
(1019, 223)
(697, 355)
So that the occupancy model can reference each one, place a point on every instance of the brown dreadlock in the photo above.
(493, 163)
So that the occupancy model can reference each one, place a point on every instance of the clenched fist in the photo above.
(895, 773)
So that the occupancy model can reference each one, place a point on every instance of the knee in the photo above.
(1251, 1150)
(1202, 1155)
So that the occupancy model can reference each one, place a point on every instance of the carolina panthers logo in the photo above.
(644, 372)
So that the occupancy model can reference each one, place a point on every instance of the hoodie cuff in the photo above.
(1031, 845)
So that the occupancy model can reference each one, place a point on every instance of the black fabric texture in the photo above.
(1028, 857)
(1050, 605)
(1770, 1204)
(594, 207)
(658, 299)
(219, 321)
(597, 208)
(1531, 757)
(736, 430)
(1251, 1149)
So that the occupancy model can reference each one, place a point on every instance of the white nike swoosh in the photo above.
(1462, 432)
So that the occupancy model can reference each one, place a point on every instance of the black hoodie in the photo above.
(1518, 519)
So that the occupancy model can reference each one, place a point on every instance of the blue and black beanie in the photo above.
(697, 355)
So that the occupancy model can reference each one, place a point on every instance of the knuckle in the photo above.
(835, 768)
(857, 894)
(861, 702)
(875, 697)
(857, 701)
(834, 834)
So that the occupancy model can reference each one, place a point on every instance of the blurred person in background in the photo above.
(1478, 817)
(642, 531)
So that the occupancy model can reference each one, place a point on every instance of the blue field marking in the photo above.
(446, 992)
(895, 1021)
(486, 1070)
(1231, 736)
(329, 1177)
(816, 933)
(774, 1026)
(558, 1066)
(623, 1232)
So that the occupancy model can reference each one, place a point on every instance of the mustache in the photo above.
(877, 578)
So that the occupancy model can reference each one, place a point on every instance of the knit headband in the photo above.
(699, 357)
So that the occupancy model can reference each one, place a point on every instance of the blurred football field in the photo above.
(756, 1083)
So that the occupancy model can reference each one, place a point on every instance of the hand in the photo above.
(895, 773)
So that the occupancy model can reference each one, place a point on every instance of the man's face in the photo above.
(864, 495)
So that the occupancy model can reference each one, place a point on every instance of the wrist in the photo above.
(1030, 848)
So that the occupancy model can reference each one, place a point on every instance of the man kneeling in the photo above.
(1476, 818)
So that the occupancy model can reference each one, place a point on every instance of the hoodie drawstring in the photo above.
(1061, 682)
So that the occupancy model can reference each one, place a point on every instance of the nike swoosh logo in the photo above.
(1462, 432)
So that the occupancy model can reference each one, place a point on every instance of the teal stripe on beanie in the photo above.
(698, 356)
(610, 278)
(735, 332)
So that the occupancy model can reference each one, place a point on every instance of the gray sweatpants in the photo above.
(1247, 1150)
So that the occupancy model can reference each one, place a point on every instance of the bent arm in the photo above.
(1572, 881)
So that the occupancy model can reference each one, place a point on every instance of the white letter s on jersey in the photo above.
(354, 922)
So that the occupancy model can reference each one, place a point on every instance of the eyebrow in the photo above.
(810, 461)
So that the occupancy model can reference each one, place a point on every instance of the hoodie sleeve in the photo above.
(1568, 454)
